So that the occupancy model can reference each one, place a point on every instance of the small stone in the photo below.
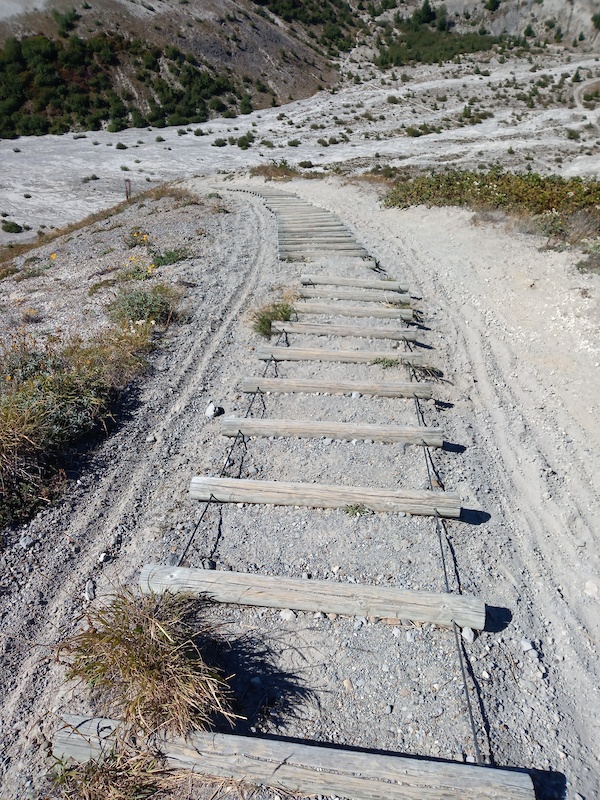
(468, 635)
(348, 686)
(306, 576)
(332, 617)
(90, 591)
(319, 615)
(26, 542)
(355, 395)
(591, 589)
(327, 441)
(208, 563)
(526, 645)
(150, 438)
(485, 675)
(103, 558)
(533, 655)
(287, 614)
(470, 759)
(357, 624)
(388, 709)
(252, 471)
(173, 560)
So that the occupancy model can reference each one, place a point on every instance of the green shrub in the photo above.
(294, 143)
(263, 317)
(137, 306)
(11, 227)
(120, 146)
(170, 257)
(220, 142)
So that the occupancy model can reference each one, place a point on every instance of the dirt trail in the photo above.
(515, 331)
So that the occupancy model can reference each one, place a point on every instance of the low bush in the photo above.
(11, 227)
(154, 306)
(170, 257)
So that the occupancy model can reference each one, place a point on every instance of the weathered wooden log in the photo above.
(266, 352)
(366, 296)
(347, 431)
(314, 386)
(329, 597)
(376, 312)
(360, 331)
(315, 495)
(304, 768)
(362, 283)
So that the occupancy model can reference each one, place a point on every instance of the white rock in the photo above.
(102, 557)
(591, 589)
(150, 438)
(468, 635)
(211, 410)
(287, 614)
(526, 645)
(355, 395)
(90, 590)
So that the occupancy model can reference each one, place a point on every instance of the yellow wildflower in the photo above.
(53, 256)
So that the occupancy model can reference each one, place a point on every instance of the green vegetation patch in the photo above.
(335, 18)
(427, 37)
(51, 86)
(564, 209)
(53, 394)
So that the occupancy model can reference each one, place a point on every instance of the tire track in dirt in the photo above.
(127, 490)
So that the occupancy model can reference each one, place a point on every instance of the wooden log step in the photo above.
(360, 331)
(328, 597)
(266, 352)
(359, 283)
(313, 386)
(319, 247)
(347, 431)
(366, 296)
(332, 309)
(308, 769)
(315, 495)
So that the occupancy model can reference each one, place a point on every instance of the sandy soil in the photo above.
(514, 328)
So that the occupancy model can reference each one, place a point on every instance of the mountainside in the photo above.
(132, 63)
(173, 62)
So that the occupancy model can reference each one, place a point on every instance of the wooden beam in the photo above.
(332, 309)
(347, 431)
(297, 767)
(329, 597)
(266, 352)
(366, 296)
(316, 386)
(360, 331)
(362, 283)
(315, 495)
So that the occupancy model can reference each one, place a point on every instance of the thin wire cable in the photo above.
(212, 499)
(429, 466)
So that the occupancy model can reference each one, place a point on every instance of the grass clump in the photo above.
(155, 306)
(170, 257)
(386, 363)
(50, 396)
(357, 510)
(8, 226)
(263, 317)
(142, 656)
(115, 775)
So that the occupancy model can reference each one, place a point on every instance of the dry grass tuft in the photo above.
(143, 657)
(117, 775)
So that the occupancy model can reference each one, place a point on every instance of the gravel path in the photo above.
(514, 331)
